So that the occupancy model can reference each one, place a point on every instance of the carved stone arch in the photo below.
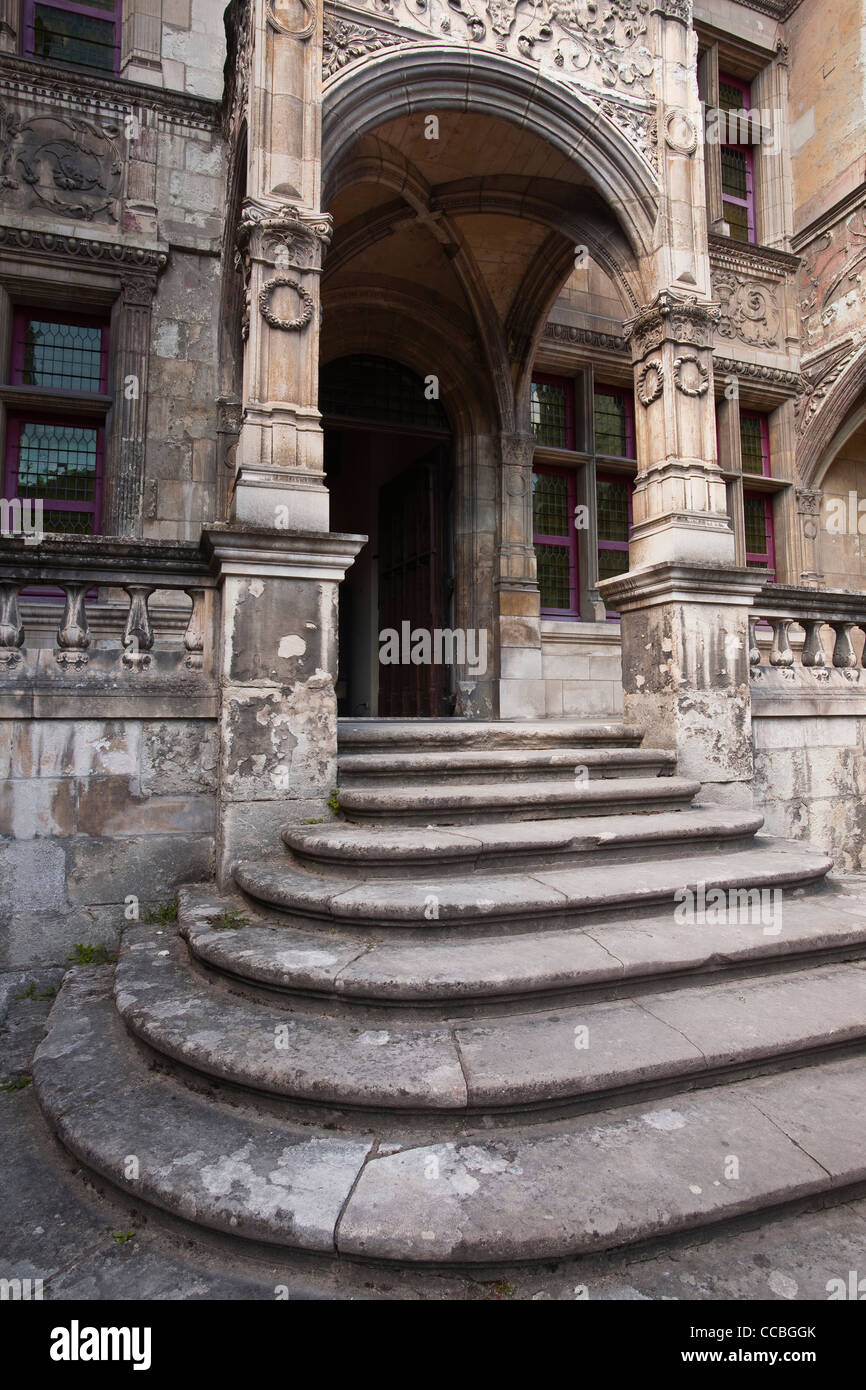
(425, 78)
(828, 431)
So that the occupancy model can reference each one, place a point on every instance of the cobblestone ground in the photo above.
(91, 1244)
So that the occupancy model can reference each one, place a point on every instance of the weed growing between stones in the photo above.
(334, 801)
(17, 1083)
(122, 1236)
(91, 955)
(31, 992)
(229, 920)
(162, 916)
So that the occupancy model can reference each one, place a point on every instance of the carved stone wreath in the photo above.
(704, 374)
(645, 397)
(286, 325)
(681, 133)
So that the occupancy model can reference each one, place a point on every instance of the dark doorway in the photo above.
(414, 583)
(388, 469)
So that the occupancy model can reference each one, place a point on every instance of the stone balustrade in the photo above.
(815, 612)
(61, 583)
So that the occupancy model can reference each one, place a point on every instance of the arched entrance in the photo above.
(388, 466)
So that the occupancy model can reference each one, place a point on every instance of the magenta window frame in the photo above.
(567, 382)
(627, 394)
(13, 446)
(569, 541)
(114, 17)
(749, 201)
(768, 556)
(21, 317)
(765, 443)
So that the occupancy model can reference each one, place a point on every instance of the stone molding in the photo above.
(109, 255)
(27, 79)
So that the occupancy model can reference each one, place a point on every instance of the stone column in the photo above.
(521, 687)
(281, 240)
(130, 329)
(679, 505)
(278, 662)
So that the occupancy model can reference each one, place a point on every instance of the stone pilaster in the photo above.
(130, 329)
(809, 524)
(281, 240)
(685, 668)
(521, 687)
(278, 710)
(680, 509)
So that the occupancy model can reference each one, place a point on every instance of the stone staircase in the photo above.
(468, 1025)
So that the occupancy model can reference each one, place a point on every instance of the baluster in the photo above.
(138, 632)
(813, 647)
(11, 630)
(193, 638)
(780, 652)
(843, 649)
(754, 649)
(73, 639)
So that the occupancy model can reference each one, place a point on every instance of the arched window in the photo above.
(381, 392)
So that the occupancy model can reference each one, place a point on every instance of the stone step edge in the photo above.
(213, 950)
(310, 846)
(357, 1079)
(536, 795)
(291, 893)
(101, 1050)
(412, 735)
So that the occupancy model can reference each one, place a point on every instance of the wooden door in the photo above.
(414, 576)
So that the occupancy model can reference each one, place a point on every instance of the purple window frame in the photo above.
(566, 542)
(610, 615)
(567, 382)
(114, 17)
(749, 201)
(626, 394)
(765, 442)
(13, 445)
(766, 557)
(27, 315)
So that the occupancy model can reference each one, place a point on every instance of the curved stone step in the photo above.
(429, 734)
(530, 1192)
(374, 850)
(355, 1060)
(485, 969)
(506, 764)
(471, 801)
(550, 897)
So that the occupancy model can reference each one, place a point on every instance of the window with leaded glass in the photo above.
(82, 35)
(754, 443)
(552, 411)
(738, 172)
(54, 452)
(613, 517)
(614, 422)
(758, 523)
(555, 539)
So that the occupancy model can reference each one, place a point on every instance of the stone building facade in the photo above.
(537, 324)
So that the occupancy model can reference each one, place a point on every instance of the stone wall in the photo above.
(93, 812)
(582, 669)
(810, 779)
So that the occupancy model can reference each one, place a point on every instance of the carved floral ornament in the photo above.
(749, 309)
(308, 308)
(60, 163)
(650, 381)
(604, 45)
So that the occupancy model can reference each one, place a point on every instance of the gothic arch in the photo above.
(426, 77)
(842, 413)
